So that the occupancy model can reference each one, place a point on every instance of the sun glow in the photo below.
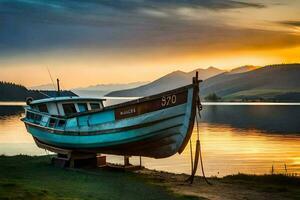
(143, 45)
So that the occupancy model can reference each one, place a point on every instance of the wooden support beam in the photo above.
(126, 161)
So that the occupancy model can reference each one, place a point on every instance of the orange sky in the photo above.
(90, 49)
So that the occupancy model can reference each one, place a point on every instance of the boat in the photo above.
(156, 126)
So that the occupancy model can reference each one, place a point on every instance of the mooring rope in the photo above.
(198, 153)
(191, 152)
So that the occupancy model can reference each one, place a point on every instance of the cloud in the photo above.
(211, 4)
(290, 23)
(33, 26)
(91, 12)
(124, 5)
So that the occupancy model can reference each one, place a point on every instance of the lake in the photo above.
(246, 138)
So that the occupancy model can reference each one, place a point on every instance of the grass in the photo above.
(25, 177)
(273, 183)
(257, 93)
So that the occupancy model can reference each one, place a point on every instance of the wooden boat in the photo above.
(156, 126)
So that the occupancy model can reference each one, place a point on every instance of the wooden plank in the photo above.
(165, 101)
(52, 148)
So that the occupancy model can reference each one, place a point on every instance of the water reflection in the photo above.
(281, 119)
(13, 136)
(227, 150)
(248, 139)
(9, 110)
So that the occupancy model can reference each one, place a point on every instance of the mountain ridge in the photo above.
(270, 82)
(270, 77)
(243, 69)
(169, 81)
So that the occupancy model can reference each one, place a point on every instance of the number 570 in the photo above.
(168, 100)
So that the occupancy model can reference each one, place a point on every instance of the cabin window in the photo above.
(29, 115)
(52, 122)
(61, 123)
(69, 108)
(95, 106)
(37, 118)
(82, 107)
(34, 107)
(42, 108)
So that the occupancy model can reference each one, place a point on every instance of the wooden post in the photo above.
(58, 87)
(126, 161)
(140, 161)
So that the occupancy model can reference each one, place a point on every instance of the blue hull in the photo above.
(157, 132)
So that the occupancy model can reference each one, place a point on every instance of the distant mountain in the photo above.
(98, 87)
(112, 87)
(206, 73)
(243, 69)
(102, 89)
(12, 92)
(167, 82)
(272, 82)
(16, 92)
(98, 90)
(90, 93)
(48, 86)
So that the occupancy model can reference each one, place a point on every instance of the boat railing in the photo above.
(45, 119)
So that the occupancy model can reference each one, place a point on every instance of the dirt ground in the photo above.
(223, 188)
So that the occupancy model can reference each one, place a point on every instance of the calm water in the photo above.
(235, 138)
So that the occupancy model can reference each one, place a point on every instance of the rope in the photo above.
(198, 153)
(192, 161)
(51, 78)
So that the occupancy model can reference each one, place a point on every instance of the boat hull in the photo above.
(147, 127)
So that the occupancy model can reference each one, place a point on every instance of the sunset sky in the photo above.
(87, 42)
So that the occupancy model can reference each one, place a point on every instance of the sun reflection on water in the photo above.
(226, 150)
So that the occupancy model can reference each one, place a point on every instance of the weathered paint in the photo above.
(161, 129)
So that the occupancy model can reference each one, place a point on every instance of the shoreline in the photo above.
(29, 177)
(231, 187)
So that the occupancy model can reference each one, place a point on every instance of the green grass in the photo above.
(276, 183)
(257, 93)
(24, 177)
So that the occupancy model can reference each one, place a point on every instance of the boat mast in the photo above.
(58, 88)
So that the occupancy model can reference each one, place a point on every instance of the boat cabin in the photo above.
(65, 106)
(52, 112)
